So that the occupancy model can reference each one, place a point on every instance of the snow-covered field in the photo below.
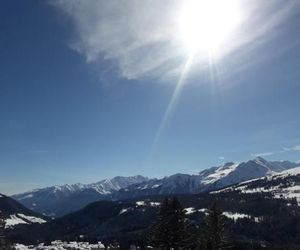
(59, 245)
(16, 219)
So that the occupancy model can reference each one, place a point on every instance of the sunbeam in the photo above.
(173, 101)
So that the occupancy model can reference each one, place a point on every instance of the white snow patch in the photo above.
(221, 172)
(140, 203)
(124, 210)
(189, 210)
(26, 197)
(32, 219)
(203, 210)
(16, 219)
(236, 216)
(154, 204)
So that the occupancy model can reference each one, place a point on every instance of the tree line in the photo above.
(172, 230)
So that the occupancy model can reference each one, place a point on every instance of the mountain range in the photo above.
(57, 201)
(257, 211)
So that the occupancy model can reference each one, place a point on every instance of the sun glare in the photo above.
(205, 25)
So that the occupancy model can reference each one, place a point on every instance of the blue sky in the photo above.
(85, 88)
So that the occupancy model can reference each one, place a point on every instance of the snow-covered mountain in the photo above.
(59, 200)
(280, 185)
(207, 180)
(15, 214)
(232, 173)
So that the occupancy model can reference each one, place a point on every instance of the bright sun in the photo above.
(205, 25)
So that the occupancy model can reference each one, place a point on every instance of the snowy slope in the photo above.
(281, 185)
(14, 213)
(16, 219)
(232, 173)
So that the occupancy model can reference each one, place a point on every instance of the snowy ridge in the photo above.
(210, 179)
(106, 186)
(219, 173)
(55, 201)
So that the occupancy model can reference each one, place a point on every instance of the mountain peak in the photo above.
(260, 159)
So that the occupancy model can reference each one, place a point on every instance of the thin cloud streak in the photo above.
(263, 154)
(294, 148)
(284, 150)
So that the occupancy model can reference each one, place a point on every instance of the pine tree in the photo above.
(214, 236)
(169, 231)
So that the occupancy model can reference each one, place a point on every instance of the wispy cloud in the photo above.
(284, 150)
(141, 37)
(221, 157)
(264, 154)
(136, 35)
(294, 148)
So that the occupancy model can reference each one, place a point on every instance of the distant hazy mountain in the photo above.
(60, 200)
(16, 214)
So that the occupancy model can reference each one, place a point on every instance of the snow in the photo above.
(140, 203)
(236, 216)
(277, 191)
(219, 173)
(32, 219)
(203, 210)
(286, 189)
(59, 245)
(26, 197)
(189, 210)
(154, 204)
(104, 187)
(293, 171)
(124, 210)
(16, 219)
